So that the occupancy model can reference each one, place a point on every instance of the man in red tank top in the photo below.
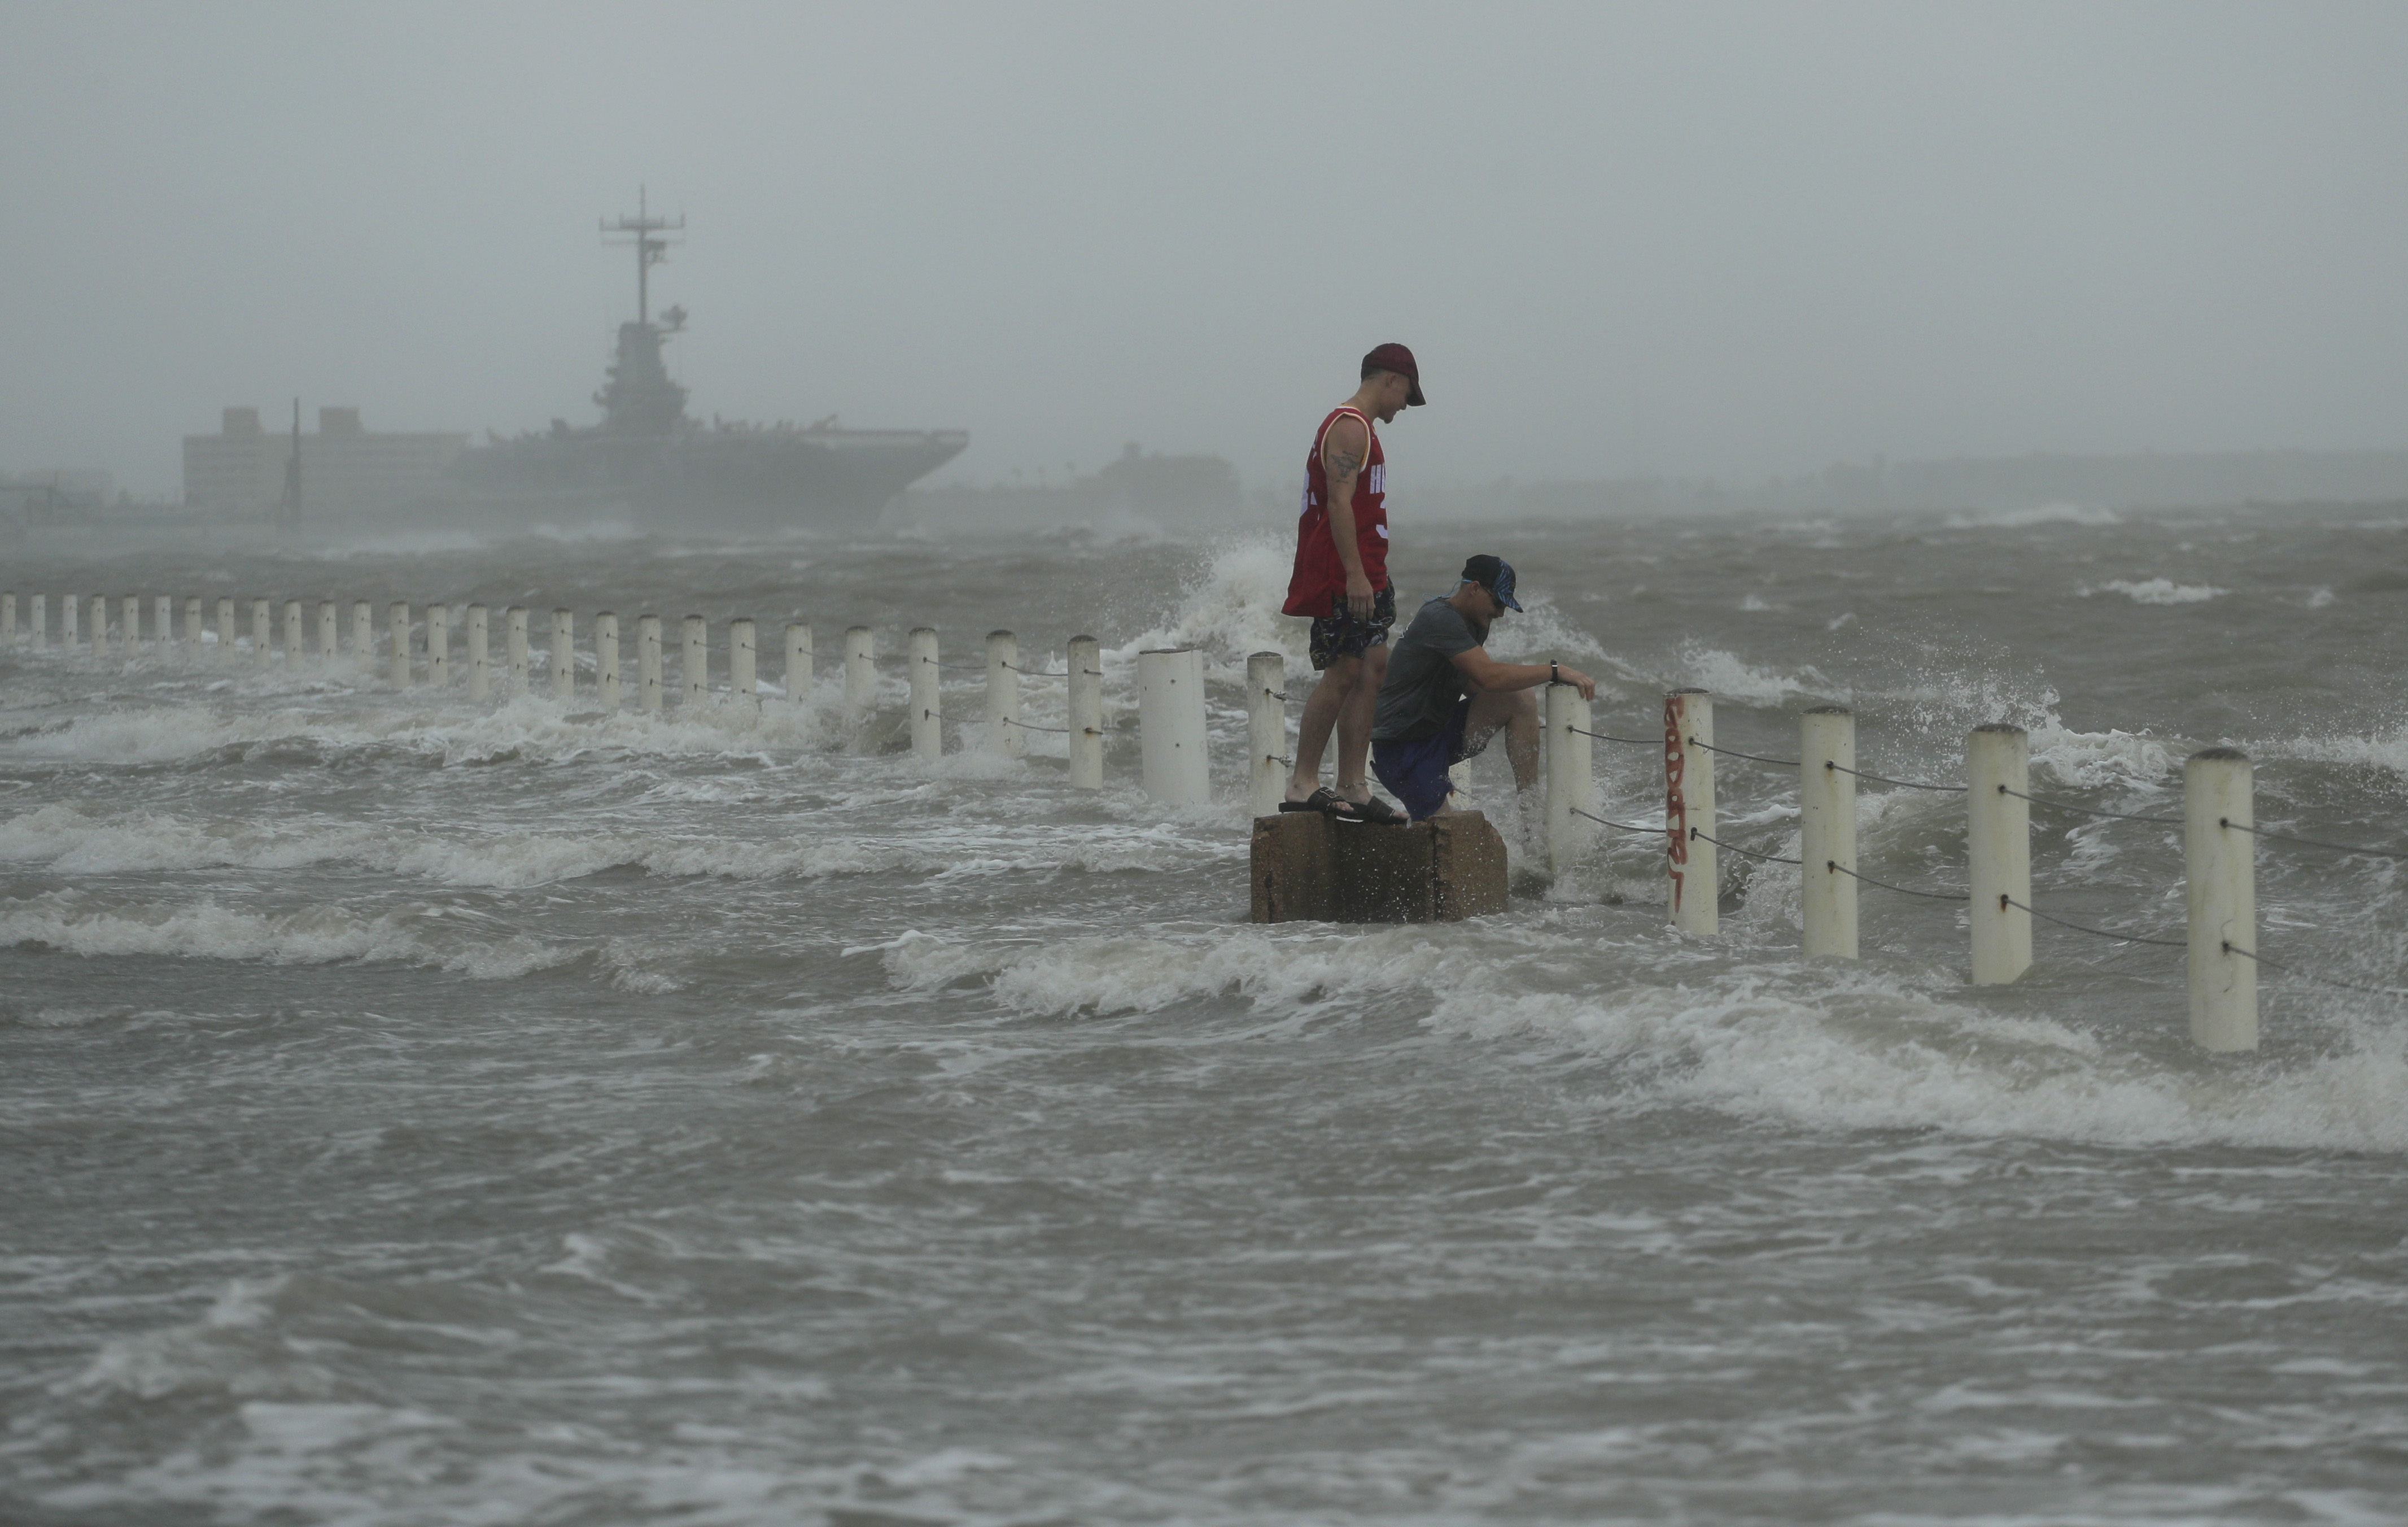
(1340, 582)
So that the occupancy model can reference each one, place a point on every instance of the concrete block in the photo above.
(1308, 867)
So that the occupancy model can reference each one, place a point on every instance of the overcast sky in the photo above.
(1681, 239)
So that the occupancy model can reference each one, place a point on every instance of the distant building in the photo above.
(346, 470)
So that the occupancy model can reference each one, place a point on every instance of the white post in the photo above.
(927, 719)
(225, 627)
(798, 662)
(1086, 721)
(860, 676)
(1827, 830)
(397, 627)
(292, 634)
(1997, 850)
(100, 626)
(740, 659)
(2220, 888)
(564, 654)
(193, 621)
(1267, 754)
(693, 656)
(38, 626)
(1170, 726)
(481, 677)
(1571, 777)
(1003, 732)
(1694, 867)
(647, 663)
(68, 622)
(132, 620)
(514, 650)
(8, 617)
(605, 658)
(163, 621)
(364, 635)
(327, 633)
(263, 645)
(438, 645)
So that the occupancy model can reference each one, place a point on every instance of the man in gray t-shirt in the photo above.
(1445, 696)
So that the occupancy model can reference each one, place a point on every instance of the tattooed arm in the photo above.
(1343, 450)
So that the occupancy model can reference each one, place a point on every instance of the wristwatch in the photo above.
(1555, 671)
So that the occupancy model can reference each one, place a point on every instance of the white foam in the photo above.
(2053, 514)
(68, 922)
(2155, 591)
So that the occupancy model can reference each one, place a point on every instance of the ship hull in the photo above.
(718, 481)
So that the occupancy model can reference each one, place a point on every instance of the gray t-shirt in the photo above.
(1422, 687)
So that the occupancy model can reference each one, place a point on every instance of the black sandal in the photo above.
(1377, 812)
(1328, 802)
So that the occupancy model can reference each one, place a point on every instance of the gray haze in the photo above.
(1726, 240)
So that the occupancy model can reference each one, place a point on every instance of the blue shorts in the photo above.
(1415, 772)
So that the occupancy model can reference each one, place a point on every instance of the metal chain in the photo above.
(2095, 932)
(1634, 742)
(1906, 784)
(2255, 958)
(1903, 890)
(1753, 758)
(1737, 849)
(1025, 726)
(2091, 811)
(1622, 826)
(2308, 843)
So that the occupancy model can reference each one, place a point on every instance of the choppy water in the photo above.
(417, 1111)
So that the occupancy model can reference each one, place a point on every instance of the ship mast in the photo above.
(651, 249)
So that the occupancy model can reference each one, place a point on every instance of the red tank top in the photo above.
(1320, 578)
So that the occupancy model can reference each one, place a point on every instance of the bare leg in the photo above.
(1322, 709)
(1517, 713)
(1354, 726)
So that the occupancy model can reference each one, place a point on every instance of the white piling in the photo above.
(438, 646)
(1692, 864)
(1086, 722)
(647, 663)
(740, 659)
(1266, 756)
(225, 627)
(1571, 777)
(2220, 891)
(514, 650)
(693, 660)
(1827, 830)
(100, 626)
(860, 676)
(67, 618)
(163, 621)
(1998, 851)
(193, 621)
(37, 625)
(928, 717)
(327, 633)
(606, 659)
(1003, 731)
(480, 663)
(798, 662)
(564, 654)
(364, 635)
(8, 617)
(1170, 726)
(263, 644)
(132, 620)
(397, 627)
(292, 634)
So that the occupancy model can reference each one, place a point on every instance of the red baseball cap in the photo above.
(1396, 358)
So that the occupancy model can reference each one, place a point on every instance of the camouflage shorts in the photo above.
(1338, 634)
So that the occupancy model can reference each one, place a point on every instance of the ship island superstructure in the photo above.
(646, 462)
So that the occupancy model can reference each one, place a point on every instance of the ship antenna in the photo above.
(650, 248)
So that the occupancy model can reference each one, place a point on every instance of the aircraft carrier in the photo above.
(648, 463)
